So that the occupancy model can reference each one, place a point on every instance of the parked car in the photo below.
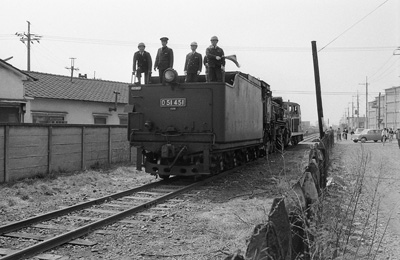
(358, 130)
(367, 135)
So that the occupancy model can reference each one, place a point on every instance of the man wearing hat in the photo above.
(142, 60)
(193, 64)
(164, 58)
(216, 61)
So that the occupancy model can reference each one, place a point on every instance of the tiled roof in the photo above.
(60, 87)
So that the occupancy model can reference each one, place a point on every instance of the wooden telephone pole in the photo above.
(72, 68)
(28, 38)
(366, 101)
(318, 89)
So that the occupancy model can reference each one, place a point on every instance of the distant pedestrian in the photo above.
(384, 135)
(345, 133)
(193, 64)
(391, 133)
(398, 136)
(338, 135)
(164, 58)
(142, 64)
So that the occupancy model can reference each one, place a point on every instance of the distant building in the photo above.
(305, 124)
(384, 111)
(58, 99)
(12, 94)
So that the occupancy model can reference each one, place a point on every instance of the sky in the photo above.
(356, 42)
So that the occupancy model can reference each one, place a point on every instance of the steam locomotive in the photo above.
(203, 128)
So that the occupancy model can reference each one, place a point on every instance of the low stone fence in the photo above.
(283, 237)
(29, 150)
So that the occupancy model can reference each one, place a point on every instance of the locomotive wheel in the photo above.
(228, 160)
(217, 164)
(239, 157)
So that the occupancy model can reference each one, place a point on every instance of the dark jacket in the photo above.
(193, 62)
(164, 59)
(143, 62)
(212, 53)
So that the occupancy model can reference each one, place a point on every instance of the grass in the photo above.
(348, 215)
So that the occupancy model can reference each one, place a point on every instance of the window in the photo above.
(9, 114)
(123, 119)
(98, 120)
(48, 117)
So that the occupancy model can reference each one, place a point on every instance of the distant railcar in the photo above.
(293, 116)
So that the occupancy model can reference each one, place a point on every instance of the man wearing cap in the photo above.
(193, 64)
(216, 61)
(164, 58)
(142, 59)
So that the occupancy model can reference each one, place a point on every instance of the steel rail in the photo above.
(66, 237)
(309, 138)
(52, 214)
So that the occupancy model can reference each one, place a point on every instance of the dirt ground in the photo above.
(383, 172)
(214, 220)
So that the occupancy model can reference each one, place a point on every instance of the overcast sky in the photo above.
(271, 38)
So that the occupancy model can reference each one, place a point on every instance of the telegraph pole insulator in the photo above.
(72, 68)
(29, 38)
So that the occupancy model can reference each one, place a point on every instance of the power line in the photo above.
(353, 25)
(238, 48)
(328, 93)
(384, 64)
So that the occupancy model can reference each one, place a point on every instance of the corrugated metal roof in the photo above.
(60, 87)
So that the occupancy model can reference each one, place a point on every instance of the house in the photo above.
(62, 99)
(12, 94)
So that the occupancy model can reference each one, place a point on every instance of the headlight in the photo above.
(170, 76)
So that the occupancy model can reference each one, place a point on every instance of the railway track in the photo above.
(309, 138)
(33, 236)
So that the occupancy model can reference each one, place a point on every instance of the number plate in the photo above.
(173, 102)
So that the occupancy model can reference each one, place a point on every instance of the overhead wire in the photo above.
(327, 93)
(238, 48)
(348, 29)
(385, 72)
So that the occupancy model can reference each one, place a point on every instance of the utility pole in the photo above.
(379, 111)
(395, 108)
(366, 101)
(28, 38)
(395, 52)
(318, 89)
(72, 68)
(348, 117)
(352, 112)
(358, 112)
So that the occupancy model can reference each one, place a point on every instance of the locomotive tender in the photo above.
(204, 127)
